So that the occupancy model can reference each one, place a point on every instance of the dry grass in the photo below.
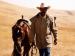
(9, 14)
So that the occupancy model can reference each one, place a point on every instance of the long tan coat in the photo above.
(42, 28)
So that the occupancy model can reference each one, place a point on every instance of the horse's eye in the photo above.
(18, 31)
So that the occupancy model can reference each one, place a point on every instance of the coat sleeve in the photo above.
(32, 30)
(53, 29)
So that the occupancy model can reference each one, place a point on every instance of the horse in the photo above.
(20, 34)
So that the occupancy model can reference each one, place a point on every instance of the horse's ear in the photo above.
(22, 17)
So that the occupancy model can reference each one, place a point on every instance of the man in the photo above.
(42, 28)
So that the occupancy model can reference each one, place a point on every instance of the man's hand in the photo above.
(33, 44)
(55, 41)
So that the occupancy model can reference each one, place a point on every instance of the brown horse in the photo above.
(20, 34)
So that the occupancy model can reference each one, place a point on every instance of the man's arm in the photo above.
(54, 31)
(32, 31)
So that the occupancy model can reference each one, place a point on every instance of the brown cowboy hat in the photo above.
(43, 8)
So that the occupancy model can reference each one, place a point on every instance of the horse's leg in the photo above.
(18, 48)
(26, 48)
(26, 51)
(14, 51)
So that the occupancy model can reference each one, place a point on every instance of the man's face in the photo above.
(43, 13)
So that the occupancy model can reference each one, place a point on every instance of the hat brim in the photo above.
(42, 7)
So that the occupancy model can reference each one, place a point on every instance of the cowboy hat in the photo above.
(42, 8)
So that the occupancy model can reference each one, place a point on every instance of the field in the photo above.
(9, 14)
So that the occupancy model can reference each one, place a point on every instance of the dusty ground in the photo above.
(65, 23)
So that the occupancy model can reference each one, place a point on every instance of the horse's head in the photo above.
(25, 28)
(21, 29)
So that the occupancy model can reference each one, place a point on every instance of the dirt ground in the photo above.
(65, 46)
